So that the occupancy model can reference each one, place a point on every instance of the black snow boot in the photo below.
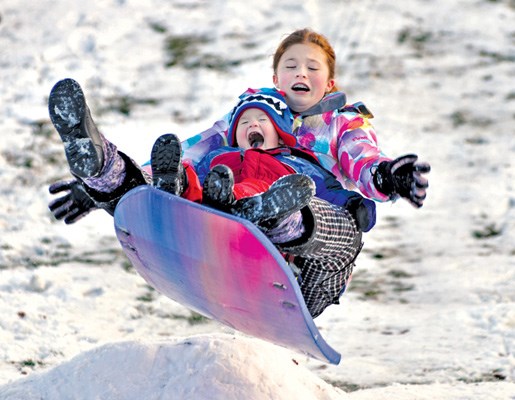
(168, 173)
(217, 190)
(72, 119)
(286, 196)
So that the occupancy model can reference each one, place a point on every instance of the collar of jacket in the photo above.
(330, 102)
(306, 154)
(275, 151)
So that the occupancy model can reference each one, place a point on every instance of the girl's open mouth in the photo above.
(300, 87)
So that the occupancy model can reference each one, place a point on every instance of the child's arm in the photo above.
(357, 150)
(377, 176)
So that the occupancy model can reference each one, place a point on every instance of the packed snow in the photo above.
(430, 313)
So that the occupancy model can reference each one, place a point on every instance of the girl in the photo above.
(340, 135)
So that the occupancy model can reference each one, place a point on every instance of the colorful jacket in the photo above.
(340, 135)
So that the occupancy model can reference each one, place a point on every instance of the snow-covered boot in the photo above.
(218, 187)
(168, 173)
(105, 173)
(285, 196)
(83, 143)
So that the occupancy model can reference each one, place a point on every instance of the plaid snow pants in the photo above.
(326, 260)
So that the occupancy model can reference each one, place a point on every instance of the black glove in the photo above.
(403, 177)
(75, 203)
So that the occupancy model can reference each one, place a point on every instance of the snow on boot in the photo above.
(217, 190)
(287, 195)
(167, 170)
(72, 119)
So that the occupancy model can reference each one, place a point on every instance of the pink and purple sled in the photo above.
(218, 265)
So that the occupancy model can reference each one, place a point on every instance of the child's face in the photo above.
(303, 74)
(256, 130)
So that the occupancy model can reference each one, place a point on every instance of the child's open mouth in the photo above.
(300, 87)
(256, 139)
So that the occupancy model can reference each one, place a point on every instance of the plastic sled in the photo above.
(218, 265)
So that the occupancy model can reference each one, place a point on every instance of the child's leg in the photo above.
(323, 280)
(254, 199)
(325, 253)
(289, 229)
(133, 176)
(286, 196)
(168, 171)
(329, 230)
(106, 173)
(220, 191)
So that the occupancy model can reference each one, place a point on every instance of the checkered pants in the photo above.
(327, 258)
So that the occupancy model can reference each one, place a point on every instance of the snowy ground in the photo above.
(431, 310)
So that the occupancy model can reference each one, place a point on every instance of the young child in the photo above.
(304, 67)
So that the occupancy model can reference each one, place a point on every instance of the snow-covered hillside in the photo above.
(431, 309)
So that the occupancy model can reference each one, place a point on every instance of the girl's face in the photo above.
(303, 74)
(255, 129)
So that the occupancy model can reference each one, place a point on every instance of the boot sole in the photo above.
(67, 108)
(218, 187)
(165, 161)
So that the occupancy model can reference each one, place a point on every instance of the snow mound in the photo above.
(214, 367)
